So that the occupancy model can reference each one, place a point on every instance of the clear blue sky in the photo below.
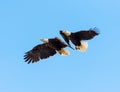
(23, 22)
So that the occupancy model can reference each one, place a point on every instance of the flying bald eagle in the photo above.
(45, 50)
(77, 38)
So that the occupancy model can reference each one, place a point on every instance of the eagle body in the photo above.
(42, 51)
(77, 38)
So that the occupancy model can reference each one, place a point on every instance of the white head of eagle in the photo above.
(67, 33)
(44, 40)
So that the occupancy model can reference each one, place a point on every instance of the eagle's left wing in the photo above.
(41, 51)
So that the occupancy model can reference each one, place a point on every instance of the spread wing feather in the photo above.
(41, 51)
(86, 34)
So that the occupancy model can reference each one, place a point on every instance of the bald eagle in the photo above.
(77, 38)
(45, 50)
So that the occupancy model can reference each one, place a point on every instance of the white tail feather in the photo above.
(83, 47)
(64, 52)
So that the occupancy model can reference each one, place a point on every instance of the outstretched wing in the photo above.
(87, 34)
(66, 38)
(41, 51)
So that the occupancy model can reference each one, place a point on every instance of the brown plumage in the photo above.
(45, 50)
(77, 37)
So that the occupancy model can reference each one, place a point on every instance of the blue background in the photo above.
(23, 22)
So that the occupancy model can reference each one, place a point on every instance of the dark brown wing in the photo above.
(56, 43)
(66, 38)
(41, 51)
(86, 34)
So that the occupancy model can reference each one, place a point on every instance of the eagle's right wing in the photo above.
(41, 51)
(87, 34)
